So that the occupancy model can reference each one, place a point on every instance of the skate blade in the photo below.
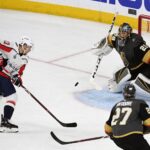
(8, 130)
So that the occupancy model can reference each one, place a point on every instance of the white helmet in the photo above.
(25, 40)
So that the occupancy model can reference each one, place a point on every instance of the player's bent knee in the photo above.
(11, 100)
(120, 78)
(142, 85)
(122, 75)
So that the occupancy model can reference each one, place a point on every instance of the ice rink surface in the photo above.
(60, 58)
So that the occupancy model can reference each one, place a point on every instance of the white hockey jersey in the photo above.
(15, 62)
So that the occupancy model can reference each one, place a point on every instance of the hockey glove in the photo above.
(3, 62)
(103, 48)
(16, 80)
(102, 43)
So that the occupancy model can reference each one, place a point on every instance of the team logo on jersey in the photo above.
(6, 42)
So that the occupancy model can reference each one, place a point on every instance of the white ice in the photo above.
(60, 59)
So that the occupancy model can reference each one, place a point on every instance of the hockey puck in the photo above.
(76, 84)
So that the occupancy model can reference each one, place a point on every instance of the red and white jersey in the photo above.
(15, 63)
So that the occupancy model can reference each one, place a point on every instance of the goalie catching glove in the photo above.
(103, 47)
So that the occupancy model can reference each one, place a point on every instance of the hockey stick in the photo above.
(76, 141)
(74, 124)
(101, 56)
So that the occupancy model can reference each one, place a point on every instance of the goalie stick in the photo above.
(101, 56)
(76, 141)
(74, 124)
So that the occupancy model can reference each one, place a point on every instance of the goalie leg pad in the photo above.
(122, 75)
(120, 78)
(142, 85)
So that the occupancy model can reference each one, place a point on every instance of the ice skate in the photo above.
(7, 127)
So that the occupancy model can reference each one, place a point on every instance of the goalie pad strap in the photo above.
(122, 75)
(143, 83)
(119, 79)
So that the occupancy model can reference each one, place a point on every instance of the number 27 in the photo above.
(116, 118)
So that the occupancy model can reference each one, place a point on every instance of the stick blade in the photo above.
(75, 141)
(74, 124)
(57, 139)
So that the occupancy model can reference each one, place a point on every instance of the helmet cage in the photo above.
(125, 27)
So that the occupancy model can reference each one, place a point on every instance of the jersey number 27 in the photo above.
(117, 117)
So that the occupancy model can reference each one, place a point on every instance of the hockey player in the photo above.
(135, 55)
(128, 121)
(13, 59)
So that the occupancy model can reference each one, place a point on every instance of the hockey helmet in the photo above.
(129, 91)
(125, 27)
(25, 40)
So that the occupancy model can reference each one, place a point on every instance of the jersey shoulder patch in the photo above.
(6, 45)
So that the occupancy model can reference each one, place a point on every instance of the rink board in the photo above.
(73, 11)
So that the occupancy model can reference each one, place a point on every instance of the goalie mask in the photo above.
(124, 30)
(129, 91)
